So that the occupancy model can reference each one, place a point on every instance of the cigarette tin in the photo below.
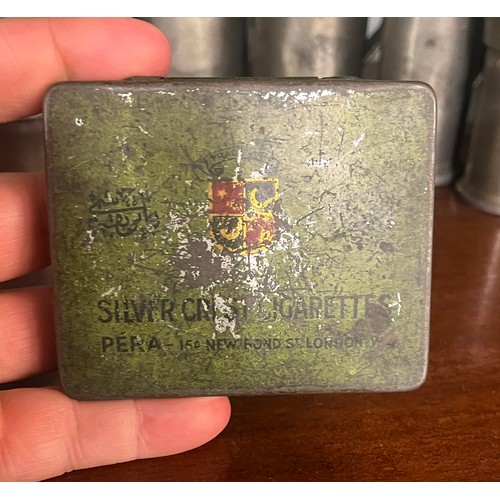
(240, 236)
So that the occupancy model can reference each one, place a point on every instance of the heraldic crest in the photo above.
(242, 217)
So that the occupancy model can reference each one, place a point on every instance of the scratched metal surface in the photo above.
(240, 236)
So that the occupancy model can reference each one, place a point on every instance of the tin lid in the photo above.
(228, 236)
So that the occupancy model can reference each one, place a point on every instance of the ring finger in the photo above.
(23, 224)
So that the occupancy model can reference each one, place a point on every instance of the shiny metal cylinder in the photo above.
(204, 46)
(436, 51)
(480, 184)
(312, 46)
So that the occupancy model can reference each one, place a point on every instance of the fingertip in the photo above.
(159, 43)
(114, 48)
(221, 411)
(175, 426)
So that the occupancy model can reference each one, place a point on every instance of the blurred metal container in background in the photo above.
(204, 46)
(292, 46)
(373, 53)
(480, 184)
(437, 51)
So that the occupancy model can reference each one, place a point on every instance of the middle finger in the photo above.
(23, 224)
(27, 345)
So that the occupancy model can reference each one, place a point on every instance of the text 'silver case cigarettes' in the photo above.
(243, 236)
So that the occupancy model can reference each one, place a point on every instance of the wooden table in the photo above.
(449, 429)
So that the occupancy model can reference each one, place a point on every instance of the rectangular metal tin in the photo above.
(240, 236)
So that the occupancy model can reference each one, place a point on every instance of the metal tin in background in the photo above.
(321, 46)
(204, 46)
(480, 184)
(373, 51)
(436, 51)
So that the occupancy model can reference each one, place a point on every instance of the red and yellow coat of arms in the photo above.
(242, 216)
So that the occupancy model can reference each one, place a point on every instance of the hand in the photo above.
(43, 433)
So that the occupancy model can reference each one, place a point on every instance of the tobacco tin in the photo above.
(244, 236)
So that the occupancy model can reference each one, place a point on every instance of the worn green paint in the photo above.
(358, 223)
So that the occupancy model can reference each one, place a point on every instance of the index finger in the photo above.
(35, 53)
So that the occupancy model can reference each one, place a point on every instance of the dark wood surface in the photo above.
(449, 429)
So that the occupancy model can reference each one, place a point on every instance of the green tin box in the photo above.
(250, 236)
